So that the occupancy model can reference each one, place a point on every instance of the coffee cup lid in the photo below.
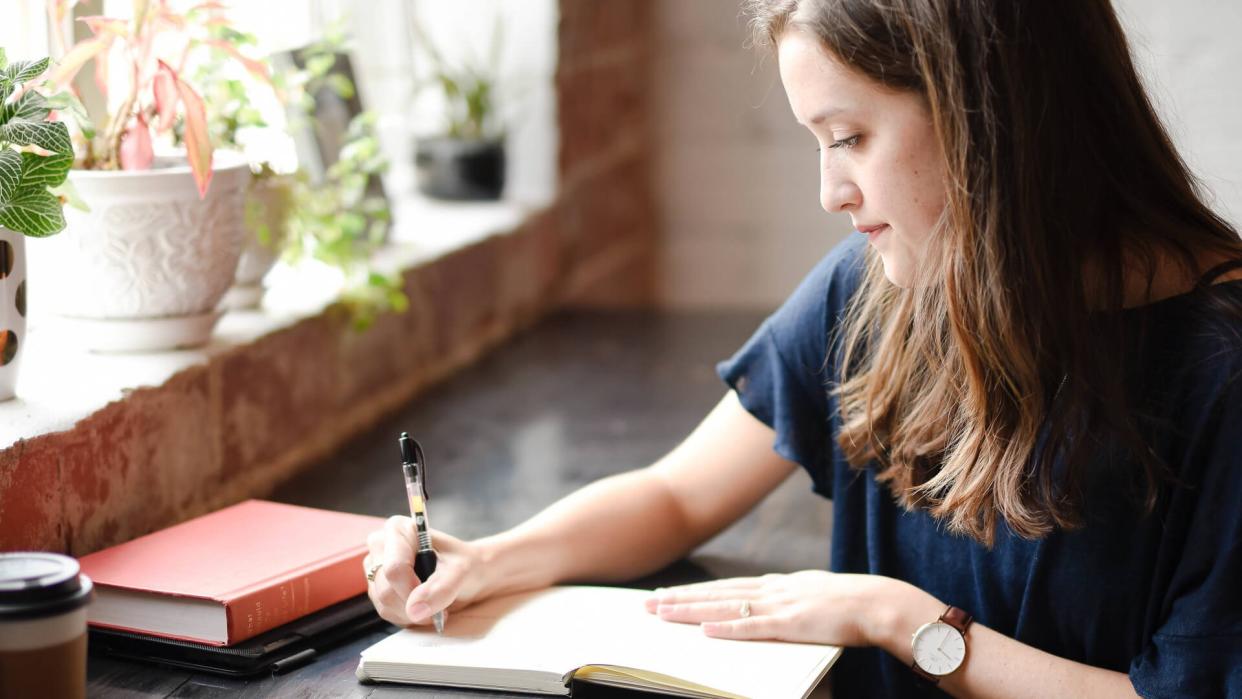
(36, 584)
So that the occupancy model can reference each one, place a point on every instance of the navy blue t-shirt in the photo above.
(1156, 596)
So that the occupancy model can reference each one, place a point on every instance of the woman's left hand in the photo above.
(810, 606)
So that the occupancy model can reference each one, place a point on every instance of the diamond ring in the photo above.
(372, 571)
(745, 611)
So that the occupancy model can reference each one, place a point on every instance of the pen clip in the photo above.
(412, 455)
(420, 467)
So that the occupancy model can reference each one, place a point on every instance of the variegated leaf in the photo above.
(10, 173)
(45, 170)
(31, 106)
(52, 136)
(34, 212)
(22, 72)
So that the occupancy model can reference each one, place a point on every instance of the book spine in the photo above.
(285, 599)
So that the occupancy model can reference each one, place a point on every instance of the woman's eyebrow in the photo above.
(825, 114)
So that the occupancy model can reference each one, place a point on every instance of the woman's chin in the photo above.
(896, 272)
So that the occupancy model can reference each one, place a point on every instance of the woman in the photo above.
(1020, 388)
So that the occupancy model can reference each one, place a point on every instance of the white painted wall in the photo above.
(1190, 56)
(736, 178)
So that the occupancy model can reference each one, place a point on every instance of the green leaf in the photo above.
(10, 173)
(51, 136)
(320, 65)
(31, 106)
(4, 58)
(67, 193)
(33, 211)
(67, 102)
(341, 85)
(22, 72)
(45, 170)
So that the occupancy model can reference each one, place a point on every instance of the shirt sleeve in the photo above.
(1196, 650)
(782, 374)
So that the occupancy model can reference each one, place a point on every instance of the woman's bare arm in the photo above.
(635, 523)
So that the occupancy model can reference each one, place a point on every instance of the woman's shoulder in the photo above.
(1203, 333)
(823, 294)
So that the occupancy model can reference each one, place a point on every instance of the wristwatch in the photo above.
(939, 647)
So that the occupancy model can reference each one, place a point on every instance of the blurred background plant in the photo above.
(338, 222)
(246, 113)
(336, 216)
(140, 65)
(466, 158)
(341, 217)
(470, 87)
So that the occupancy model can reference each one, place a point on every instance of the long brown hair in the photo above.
(1062, 185)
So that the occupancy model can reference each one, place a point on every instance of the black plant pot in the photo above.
(450, 168)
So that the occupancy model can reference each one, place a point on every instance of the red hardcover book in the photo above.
(231, 574)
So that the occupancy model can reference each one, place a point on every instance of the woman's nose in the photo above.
(837, 194)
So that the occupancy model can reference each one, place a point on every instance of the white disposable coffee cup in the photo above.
(43, 598)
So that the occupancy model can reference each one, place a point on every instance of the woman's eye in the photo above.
(849, 142)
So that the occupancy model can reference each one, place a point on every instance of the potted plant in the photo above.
(244, 111)
(147, 266)
(339, 222)
(339, 216)
(467, 160)
(35, 155)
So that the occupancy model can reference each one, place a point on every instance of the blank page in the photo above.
(557, 630)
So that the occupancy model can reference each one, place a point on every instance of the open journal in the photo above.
(540, 641)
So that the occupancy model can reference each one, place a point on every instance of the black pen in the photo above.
(413, 467)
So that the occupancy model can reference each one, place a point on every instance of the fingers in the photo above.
(398, 595)
(689, 594)
(751, 628)
(724, 583)
(399, 540)
(437, 593)
(395, 578)
(704, 612)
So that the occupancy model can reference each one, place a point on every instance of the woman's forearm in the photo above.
(635, 523)
(615, 529)
(996, 665)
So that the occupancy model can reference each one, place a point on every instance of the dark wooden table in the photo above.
(579, 397)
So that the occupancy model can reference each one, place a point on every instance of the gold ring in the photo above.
(372, 571)
(745, 611)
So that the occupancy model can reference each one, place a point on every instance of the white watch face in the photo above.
(939, 648)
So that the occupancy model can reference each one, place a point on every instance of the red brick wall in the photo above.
(606, 207)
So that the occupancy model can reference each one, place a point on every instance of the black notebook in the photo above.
(279, 650)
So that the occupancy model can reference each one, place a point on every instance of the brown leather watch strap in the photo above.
(957, 618)
(927, 676)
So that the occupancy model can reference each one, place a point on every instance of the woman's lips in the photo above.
(873, 231)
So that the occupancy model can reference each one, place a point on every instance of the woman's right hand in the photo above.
(396, 592)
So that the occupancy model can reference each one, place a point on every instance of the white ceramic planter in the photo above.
(12, 308)
(145, 268)
(268, 202)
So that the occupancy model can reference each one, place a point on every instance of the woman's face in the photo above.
(879, 159)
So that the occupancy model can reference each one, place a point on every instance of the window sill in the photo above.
(60, 383)
(101, 448)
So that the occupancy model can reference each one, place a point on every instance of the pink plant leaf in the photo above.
(101, 69)
(210, 6)
(141, 7)
(165, 88)
(83, 51)
(197, 143)
(136, 152)
(256, 68)
(105, 26)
